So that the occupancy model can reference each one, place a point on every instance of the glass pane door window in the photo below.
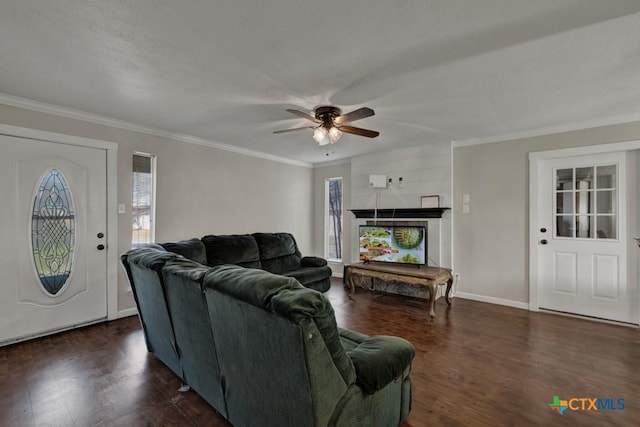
(586, 202)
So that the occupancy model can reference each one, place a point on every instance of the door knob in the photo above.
(100, 235)
(100, 247)
(544, 241)
(543, 230)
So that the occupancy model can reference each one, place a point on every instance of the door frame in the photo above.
(111, 150)
(535, 166)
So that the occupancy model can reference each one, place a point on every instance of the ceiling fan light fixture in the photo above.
(334, 135)
(320, 135)
(330, 123)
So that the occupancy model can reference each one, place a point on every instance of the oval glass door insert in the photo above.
(53, 231)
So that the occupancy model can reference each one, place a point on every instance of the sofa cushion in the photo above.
(150, 257)
(313, 261)
(192, 249)
(278, 252)
(253, 286)
(309, 274)
(306, 304)
(238, 249)
(378, 360)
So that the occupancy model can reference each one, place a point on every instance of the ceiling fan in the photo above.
(330, 123)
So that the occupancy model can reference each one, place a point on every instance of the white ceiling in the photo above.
(226, 70)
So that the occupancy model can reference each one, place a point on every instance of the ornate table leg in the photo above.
(446, 295)
(433, 290)
(349, 280)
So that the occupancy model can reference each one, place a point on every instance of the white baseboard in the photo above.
(127, 312)
(493, 300)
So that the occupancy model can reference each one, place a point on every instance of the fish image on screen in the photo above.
(396, 244)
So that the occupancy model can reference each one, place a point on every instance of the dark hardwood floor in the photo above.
(477, 364)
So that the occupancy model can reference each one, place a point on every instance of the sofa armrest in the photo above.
(312, 261)
(379, 360)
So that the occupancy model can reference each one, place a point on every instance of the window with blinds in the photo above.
(143, 205)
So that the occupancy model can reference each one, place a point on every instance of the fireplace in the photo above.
(430, 218)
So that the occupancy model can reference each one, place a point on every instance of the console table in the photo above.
(430, 277)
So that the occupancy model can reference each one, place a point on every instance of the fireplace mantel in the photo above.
(400, 213)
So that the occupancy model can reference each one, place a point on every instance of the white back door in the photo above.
(582, 236)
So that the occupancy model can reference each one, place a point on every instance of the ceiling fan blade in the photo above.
(294, 129)
(359, 131)
(303, 115)
(358, 114)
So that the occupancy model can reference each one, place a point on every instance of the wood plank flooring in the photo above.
(477, 364)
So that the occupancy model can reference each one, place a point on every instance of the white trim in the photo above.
(493, 300)
(330, 163)
(127, 312)
(112, 204)
(42, 107)
(40, 135)
(112, 233)
(535, 163)
(585, 150)
(549, 130)
(589, 318)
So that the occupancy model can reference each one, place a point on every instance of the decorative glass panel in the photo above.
(53, 231)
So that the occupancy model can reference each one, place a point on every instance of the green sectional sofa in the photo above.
(276, 253)
(264, 350)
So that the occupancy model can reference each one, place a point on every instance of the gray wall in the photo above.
(200, 190)
(491, 241)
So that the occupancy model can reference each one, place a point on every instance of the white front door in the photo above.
(582, 236)
(54, 217)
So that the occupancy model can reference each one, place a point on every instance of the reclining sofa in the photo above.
(264, 350)
(277, 253)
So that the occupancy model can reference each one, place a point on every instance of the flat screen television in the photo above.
(397, 244)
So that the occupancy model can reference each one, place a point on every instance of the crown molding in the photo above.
(330, 163)
(530, 133)
(42, 107)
